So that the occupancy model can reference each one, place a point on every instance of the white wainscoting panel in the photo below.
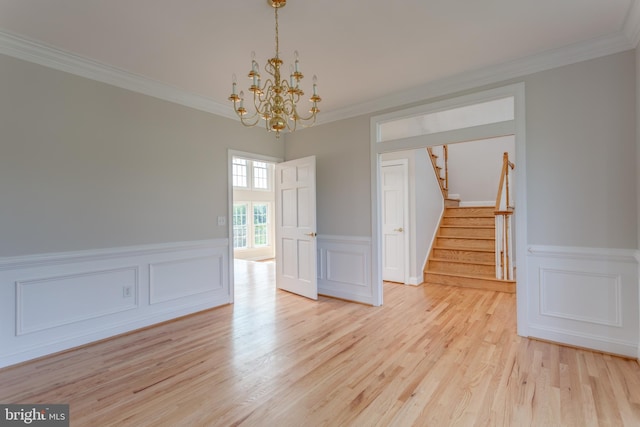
(586, 297)
(581, 296)
(168, 281)
(60, 300)
(344, 268)
(53, 302)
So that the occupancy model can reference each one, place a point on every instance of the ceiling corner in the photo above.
(32, 51)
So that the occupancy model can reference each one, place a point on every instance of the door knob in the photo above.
(311, 234)
(399, 230)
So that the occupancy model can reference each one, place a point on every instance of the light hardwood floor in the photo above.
(431, 356)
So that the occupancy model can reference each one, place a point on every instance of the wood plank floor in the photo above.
(431, 356)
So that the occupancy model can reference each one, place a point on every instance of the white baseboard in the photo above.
(415, 281)
(587, 297)
(53, 302)
(581, 340)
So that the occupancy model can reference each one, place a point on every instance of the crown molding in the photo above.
(614, 43)
(631, 26)
(48, 56)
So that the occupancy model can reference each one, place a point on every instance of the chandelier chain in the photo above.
(277, 41)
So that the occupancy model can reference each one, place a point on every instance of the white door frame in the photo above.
(230, 155)
(514, 127)
(405, 213)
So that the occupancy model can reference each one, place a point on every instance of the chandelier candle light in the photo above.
(276, 101)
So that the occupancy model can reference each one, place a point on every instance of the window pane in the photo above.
(484, 113)
(239, 172)
(239, 226)
(260, 177)
(260, 224)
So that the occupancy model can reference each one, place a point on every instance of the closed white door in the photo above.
(393, 177)
(296, 246)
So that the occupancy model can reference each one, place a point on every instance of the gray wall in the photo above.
(84, 165)
(581, 162)
(581, 158)
(475, 168)
(342, 172)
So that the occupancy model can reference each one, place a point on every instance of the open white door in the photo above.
(296, 248)
(393, 178)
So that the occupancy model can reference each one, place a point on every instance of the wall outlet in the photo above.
(127, 291)
(222, 220)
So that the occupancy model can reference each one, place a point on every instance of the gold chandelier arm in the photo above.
(249, 122)
(304, 120)
(246, 121)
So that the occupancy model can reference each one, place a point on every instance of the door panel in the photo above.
(393, 180)
(296, 246)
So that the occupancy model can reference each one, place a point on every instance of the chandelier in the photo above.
(276, 101)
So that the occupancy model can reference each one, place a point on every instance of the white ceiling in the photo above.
(361, 50)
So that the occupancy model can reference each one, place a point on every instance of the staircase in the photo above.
(463, 253)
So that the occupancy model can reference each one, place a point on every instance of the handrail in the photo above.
(503, 211)
(504, 184)
(442, 182)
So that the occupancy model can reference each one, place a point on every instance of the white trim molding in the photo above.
(30, 50)
(586, 297)
(583, 253)
(632, 24)
(637, 255)
(33, 51)
(53, 302)
(547, 60)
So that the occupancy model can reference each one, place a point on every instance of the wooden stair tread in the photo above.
(467, 226)
(469, 212)
(461, 254)
(467, 281)
(462, 275)
(449, 248)
(465, 238)
(459, 261)
(451, 202)
(480, 208)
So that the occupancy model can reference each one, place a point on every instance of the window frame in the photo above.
(250, 175)
(251, 226)
(246, 225)
(237, 165)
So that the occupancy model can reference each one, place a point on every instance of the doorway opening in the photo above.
(251, 219)
(472, 170)
(396, 228)
(480, 116)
